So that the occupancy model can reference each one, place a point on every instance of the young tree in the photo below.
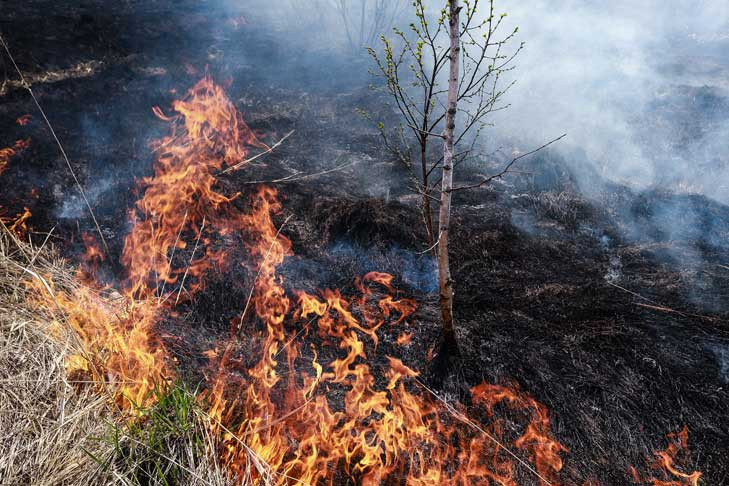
(413, 65)
(445, 282)
(457, 55)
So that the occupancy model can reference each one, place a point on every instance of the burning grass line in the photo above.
(257, 460)
(59, 424)
(270, 424)
(458, 415)
(72, 332)
(75, 382)
(17, 242)
(77, 341)
(40, 249)
(267, 151)
(58, 142)
(290, 341)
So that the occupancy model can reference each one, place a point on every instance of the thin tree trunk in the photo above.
(444, 271)
(427, 211)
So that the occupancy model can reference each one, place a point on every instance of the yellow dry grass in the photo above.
(54, 428)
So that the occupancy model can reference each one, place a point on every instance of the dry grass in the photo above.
(55, 430)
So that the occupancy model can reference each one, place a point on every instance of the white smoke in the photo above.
(623, 79)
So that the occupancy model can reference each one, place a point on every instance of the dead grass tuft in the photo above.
(57, 430)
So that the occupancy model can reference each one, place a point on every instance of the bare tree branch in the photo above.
(507, 168)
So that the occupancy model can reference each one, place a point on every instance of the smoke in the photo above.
(335, 26)
(721, 354)
(640, 87)
(74, 207)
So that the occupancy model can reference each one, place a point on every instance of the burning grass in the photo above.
(47, 424)
(308, 386)
(55, 426)
(9, 152)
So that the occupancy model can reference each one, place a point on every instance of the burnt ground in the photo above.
(613, 319)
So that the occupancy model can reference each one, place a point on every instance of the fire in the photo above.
(119, 351)
(181, 195)
(177, 202)
(278, 410)
(19, 224)
(665, 464)
(386, 426)
(8, 153)
(315, 405)
(24, 120)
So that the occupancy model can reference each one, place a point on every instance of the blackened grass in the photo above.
(26, 85)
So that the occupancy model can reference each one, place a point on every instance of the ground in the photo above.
(619, 326)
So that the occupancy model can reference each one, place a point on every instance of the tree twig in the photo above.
(425, 132)
(268, 151)
(298, 177)
(507, 169)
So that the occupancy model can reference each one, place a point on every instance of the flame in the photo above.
(314, 404)
(177, 201)
(19, 224)
(181, 195)
(8, 153)
(665, 464)
(384, 423)
(24, 120)
(119, 351)
(125, 352)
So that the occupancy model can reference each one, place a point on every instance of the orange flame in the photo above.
(8, 153)
(279, 409)
(181, 195)
(19, 225)
(666, 466)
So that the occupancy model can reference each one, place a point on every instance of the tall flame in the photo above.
(181, 195)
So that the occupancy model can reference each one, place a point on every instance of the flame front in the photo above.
(281, 412)
(317, 406)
